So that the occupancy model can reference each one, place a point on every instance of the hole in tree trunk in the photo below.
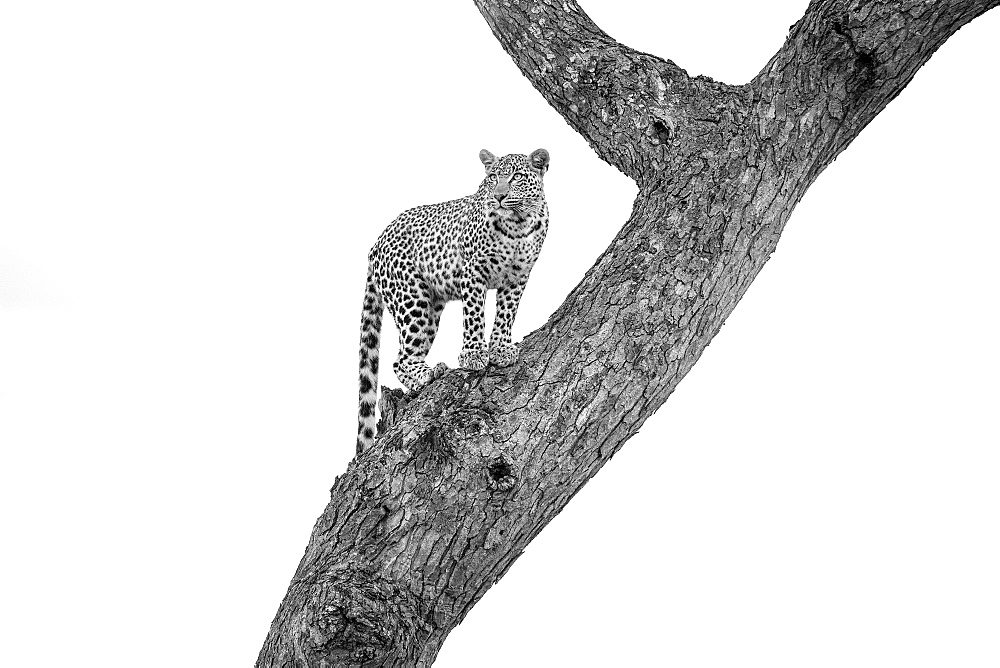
(661, 131)
(501, 473)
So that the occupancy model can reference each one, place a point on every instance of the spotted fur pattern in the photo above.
(455, 250)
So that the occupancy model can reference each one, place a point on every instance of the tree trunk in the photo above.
(466, 473)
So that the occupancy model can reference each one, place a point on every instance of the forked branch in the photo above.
(471, 469)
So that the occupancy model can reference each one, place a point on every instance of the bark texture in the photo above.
(465, 474)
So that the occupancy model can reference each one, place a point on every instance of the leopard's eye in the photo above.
(517, 178)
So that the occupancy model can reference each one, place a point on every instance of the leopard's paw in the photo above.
(473, 359)
(503, 354)
(428, 376)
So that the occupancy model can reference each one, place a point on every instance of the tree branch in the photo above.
(467, 472)
(621, 100)
(841, 64)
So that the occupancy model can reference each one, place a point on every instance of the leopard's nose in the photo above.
(500, 196)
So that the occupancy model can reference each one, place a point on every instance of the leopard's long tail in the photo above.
(371, 330)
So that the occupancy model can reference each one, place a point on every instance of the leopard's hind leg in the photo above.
(417, 314)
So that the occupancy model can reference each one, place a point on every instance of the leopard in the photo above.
(453, 251)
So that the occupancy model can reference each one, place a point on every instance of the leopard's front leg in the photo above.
(474, 355)
(502, 351)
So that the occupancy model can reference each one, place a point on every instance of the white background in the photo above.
(188, 191)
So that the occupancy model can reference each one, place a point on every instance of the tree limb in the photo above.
(467, 472)
(841, 64)
(618, 98)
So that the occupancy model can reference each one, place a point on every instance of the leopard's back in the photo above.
(425, 243)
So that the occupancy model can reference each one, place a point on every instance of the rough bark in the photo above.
(465, 474)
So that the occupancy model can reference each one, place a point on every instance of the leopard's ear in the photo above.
(539, 159)
(487, 158)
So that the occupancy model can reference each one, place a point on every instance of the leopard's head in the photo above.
(514, 182)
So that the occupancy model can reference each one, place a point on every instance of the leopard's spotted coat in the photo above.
(455, 250)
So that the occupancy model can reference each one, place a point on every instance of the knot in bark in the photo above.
(501, 473)
(356, 618)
